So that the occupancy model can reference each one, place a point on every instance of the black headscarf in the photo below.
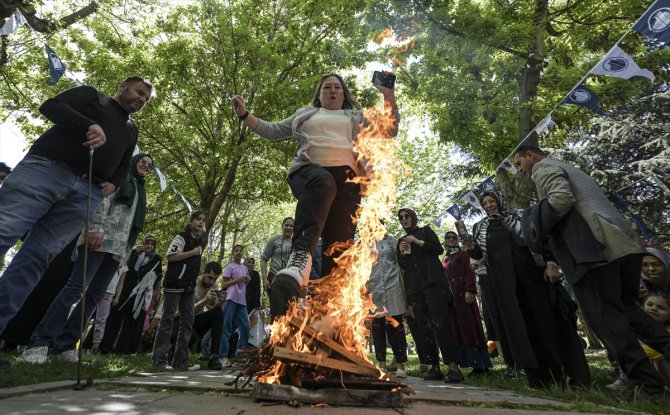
(134, 186)
(412, 215)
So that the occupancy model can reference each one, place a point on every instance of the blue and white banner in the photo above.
(617, 63)
(12, 23)
(655, 22)
(56, 66)
(438, 221)
(471, 199)
(584, 97)
(543, 126)
(487, 185)
(507, 165)
(454, 211)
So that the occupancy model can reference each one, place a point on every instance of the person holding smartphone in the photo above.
(319, 176)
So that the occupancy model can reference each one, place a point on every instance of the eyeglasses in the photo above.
(146, 163)
(403, 217)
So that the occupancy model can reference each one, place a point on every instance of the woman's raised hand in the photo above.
(238, 105)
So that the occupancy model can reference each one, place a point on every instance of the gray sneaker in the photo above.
(68, 356)
(34, 355)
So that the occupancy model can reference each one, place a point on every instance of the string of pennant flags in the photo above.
(655, 24)
(57, 70)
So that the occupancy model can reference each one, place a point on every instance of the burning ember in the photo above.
(327, 329)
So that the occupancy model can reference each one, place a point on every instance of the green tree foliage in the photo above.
(198, 56)
(620, 151)
(488, 70)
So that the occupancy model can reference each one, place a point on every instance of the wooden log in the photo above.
(293, 356)
(331, 344)
(344, 397)
(341, 350)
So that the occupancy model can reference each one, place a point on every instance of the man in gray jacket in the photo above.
(607, 291)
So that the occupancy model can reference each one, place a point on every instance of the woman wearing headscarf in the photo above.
(465, 318)
(123, 331)
(428, 297)
(656, 271)
(536, 314)
(385, 285)
(113, 231)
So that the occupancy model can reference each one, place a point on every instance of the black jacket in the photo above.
(181, 275)
(569, 239)
(422, 268)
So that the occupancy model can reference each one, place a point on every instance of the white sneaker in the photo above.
(299, 266)
(68, 356)
(226, 363)
(193, 367)
(35, 355)
(400, 373)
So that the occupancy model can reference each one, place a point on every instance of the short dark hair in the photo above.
(530, 149)
(214, 267)
(195, 214)
(287, 218)
(135, 78)
(240, 245)
(250, 259)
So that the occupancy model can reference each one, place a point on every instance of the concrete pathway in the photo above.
(209, 392)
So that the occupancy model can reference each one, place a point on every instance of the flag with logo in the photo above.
(655, 22)
(584, 97)
(438, 221)
(56, 66)
(471, 199)
(507, 165)
(12, 23)
(454, 211)
(617, 63)
(487, 185)
(543, 126)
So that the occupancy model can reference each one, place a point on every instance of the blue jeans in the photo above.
(56, 329)
(48, 202)
(234, 313)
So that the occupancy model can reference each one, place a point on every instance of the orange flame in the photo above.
(340, 305)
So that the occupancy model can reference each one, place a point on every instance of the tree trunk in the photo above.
(519, 190)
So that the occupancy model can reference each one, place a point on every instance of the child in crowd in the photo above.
(183, 258)
(658, 307)
(235, 280)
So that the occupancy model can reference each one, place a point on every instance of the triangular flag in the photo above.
(507, 165)
(471, 199)
(655, 22)
(584, 97)
(487, 185)
(543, 126)
(617, 63)
(161, 178)
(13, 22)
(56, 66)
(186, 202)
(454, 211)
(438, 221)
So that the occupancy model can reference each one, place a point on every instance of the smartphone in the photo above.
(221, 295)
(386, 79)
(461, 230)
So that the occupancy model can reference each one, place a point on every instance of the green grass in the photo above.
(595, 399)
(96, 367)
